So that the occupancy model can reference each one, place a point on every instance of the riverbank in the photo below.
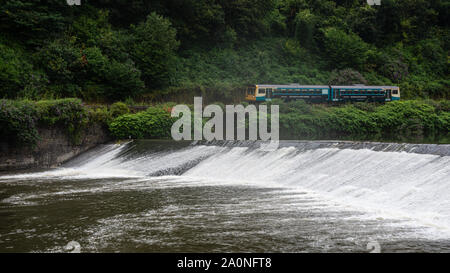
(54, 148)
(414, 121)
(47, 133)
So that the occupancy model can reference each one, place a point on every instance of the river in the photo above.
(164, 196)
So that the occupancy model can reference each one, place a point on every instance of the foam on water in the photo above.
(395, 183)
(392, 184)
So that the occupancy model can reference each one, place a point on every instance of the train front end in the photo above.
(255, 94)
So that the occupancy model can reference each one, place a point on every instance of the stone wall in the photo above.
(54, 148)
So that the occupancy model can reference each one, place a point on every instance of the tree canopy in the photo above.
(108, 50)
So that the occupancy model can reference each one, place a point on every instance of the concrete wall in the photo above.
(53, 149)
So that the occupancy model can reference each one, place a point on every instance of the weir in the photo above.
(408, 179)
(170, 196)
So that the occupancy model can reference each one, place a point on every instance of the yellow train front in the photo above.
(255, 93)
(322, 93)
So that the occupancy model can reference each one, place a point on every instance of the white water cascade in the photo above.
(390, 182)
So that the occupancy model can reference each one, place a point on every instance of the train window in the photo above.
(261, 91)
(395, 92)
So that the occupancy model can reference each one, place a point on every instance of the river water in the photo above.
(163, 196)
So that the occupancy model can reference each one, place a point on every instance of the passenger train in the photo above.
(322, 93)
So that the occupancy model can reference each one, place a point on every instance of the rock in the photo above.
(53, 149)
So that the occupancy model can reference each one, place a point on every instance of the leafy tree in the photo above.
(196, 20)
(87, 72)
(153, 46)
(344, 49)
(363, 21)
(122, 80)
(64, 64)
(305, 28)
(247, 16)
(33, 22)
(14, 72)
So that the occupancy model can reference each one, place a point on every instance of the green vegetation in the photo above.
(118, 109)
(155, 122)
(410, 121)
(153, 51)
(413, 120)
(157, 50)
(21, 119)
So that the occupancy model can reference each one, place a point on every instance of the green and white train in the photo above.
(322, 93)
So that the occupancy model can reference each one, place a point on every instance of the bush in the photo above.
(64, 113)
(118, 109)
(403, 121)
(100, 115)
(155, 122)
(19, 120)
(408, 119)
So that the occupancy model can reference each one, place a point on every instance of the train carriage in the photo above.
(265, 92)
(322, 93)
(358, 93)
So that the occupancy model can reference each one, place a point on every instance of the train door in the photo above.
(269, 94)
(336, 94)
(388, 94)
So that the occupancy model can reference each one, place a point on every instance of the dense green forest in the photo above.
(111, 50)
(55, 58)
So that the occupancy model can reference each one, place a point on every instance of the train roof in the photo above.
(356, 87)
(291, 86)
(324, 86)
